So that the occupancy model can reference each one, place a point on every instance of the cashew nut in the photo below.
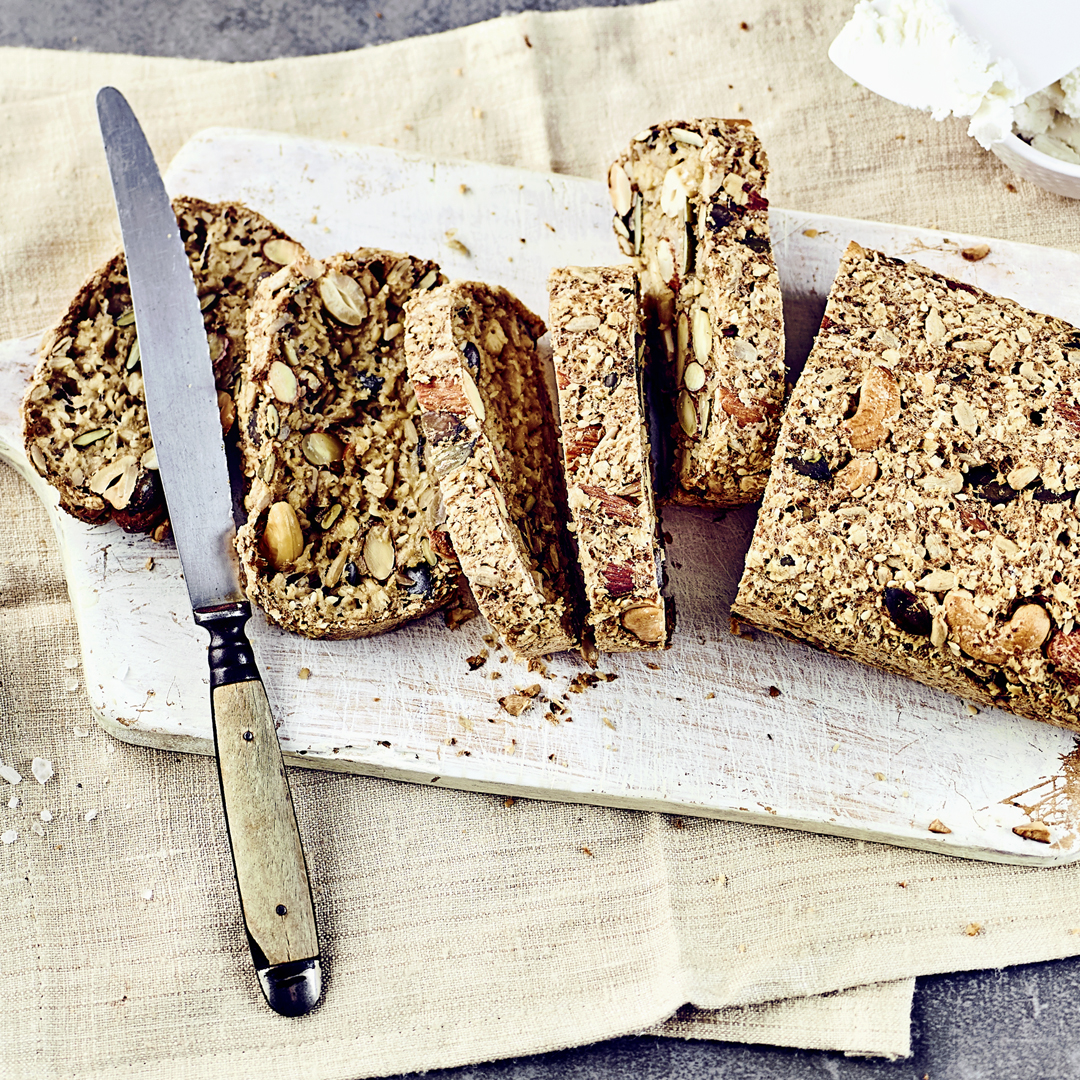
(879, 402)
(858, 472)
(984, 638)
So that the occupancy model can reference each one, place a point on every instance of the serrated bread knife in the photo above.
(185, 423)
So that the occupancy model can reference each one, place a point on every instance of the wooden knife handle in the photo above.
(271, 875)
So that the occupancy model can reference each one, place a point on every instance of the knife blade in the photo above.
(185, 424)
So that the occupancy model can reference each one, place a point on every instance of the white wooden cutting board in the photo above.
(755, 730)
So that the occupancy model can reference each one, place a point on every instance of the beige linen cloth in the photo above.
(458, 928)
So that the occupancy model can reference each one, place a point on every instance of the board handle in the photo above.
(271, 874)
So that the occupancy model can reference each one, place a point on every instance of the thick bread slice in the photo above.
(472, 356)
(339, 537)
(597, 347)
(84, 413)
(921, 515)
(690, 209)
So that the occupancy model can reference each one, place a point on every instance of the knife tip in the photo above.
(292, 989)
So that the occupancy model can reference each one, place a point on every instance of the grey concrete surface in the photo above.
(1022, 1023)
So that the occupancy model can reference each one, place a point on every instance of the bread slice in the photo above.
(921, 515)
(487, 412)
(598, 346)
(690, 209)
(340, 540)
(84, 413)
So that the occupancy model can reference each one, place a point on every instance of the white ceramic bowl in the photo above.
(1048, 172)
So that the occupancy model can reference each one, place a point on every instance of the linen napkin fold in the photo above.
(458, 928)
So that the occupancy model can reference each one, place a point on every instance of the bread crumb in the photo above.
(938, 826)
(515, 704)
(586, 851)
(304, 673)
(974, 254)
(973, 929)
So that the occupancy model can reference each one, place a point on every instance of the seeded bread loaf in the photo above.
(690, 209)
(84, 414)
(597, 347)
(339, 537)
(487, 414)
(921, 515)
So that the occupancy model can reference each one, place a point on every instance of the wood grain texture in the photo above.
(269, 860)
(757, 730)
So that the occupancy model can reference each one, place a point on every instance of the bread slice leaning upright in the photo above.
(339, 541)
(598, 349)
(490, 427)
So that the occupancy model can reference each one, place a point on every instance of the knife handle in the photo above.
(271, 874)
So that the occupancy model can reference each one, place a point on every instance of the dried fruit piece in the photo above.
(283, 539)
(816, 468)
(879, 402)
(908, 612)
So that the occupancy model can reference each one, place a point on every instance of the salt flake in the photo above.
(71, 662)
(42, 769)
(80, 732)
(46, 815)
(11, 775)
(36, 829)
(148, 894)
(10, 836)
(90, 815)
(13, 802)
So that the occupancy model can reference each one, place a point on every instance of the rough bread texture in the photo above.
(690, 209)
(488, 417)
(921, 515)
(598, 345)
(84, 413)
(340, 540)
